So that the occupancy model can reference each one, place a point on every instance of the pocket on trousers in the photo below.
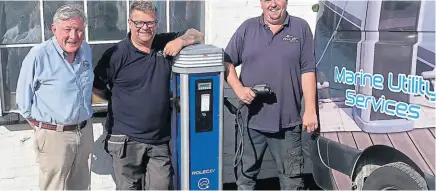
(294, 165)
(294, 160)
(40, 137)
(115, 145)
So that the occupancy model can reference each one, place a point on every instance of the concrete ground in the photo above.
(19, 170)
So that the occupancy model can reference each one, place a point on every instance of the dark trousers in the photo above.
(285, 148)
(135, 163)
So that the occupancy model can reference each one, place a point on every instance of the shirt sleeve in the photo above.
(105, 70)
(26, 84)
(307, 59)
(233, 51)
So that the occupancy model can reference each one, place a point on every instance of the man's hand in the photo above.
(173, 47)
(245, 94)
(310, 121)
(190, 37)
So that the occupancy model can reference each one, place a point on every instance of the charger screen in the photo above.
(205, 102)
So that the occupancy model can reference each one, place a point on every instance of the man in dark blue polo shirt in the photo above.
(134, 76)
(277, 49)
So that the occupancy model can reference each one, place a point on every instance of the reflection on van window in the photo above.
(107, 20)
(343, 47)
(399, 15)
(19, 22)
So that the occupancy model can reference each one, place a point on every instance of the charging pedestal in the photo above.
(197, 119)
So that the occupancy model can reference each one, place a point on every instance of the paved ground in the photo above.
(18, 170)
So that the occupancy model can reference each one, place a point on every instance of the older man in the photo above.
(134, 76)
(277, 49)
(54, 95)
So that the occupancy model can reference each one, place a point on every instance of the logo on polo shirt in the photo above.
(290, 38)
(85, 64)
(159, 53)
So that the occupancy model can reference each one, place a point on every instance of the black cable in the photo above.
(240, 128)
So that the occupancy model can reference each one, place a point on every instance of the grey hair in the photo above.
(145, 6)
(67, 12)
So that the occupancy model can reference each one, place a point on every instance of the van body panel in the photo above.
(375, 73)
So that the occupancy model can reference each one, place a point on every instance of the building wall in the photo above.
(222, 19)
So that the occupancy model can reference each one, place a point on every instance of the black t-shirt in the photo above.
(138, 89)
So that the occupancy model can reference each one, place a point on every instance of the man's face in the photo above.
(274, 10)
(69, 34)
(143, 26)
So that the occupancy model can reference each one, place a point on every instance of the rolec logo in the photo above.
(203, 183)
(199, 172)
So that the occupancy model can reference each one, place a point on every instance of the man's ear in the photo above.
(53, 28)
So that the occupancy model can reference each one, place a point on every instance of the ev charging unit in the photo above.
(197, 118)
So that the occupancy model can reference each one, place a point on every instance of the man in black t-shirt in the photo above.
(134, 76)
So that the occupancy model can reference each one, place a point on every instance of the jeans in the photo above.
(135, 163)
(285, 148)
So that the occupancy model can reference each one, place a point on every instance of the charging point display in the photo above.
(197, 121)
(204, 103)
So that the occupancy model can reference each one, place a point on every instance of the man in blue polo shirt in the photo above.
(277, 49)
(134, 75)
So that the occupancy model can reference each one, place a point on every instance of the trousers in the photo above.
(139, 166)
(64, 158)
(286, 150)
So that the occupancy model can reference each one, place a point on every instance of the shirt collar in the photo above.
(62, 52)
(286, 23)
(133, 47)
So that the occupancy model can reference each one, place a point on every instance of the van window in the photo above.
(342, 51)
(399, 15)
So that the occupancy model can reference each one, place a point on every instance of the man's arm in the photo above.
(192, 36)
(103, 73)
(25, 87)
(174, 42)
(308, 81)
(232, 58)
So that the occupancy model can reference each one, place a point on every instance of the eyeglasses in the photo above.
(140, 24)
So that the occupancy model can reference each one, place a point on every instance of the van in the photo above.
(376, 78)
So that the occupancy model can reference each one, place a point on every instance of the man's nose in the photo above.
(74, 34)
(273, 3)
(145, 27)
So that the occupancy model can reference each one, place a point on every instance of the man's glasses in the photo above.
(140, 24)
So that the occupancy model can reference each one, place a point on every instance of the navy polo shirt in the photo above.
(278, 60)
(139, 83)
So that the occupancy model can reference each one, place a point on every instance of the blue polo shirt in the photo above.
(278, 60)
(139, 84)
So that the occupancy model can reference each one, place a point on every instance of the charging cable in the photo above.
(259, 90)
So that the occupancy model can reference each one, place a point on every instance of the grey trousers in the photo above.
(285, 148)
(135, 163)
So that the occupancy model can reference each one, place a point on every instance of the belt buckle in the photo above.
(59, 128)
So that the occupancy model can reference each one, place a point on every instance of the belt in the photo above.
(60, 127)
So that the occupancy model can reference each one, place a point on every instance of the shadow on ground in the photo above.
(101, 162)
(274, 184)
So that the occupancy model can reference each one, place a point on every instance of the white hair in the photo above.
(67, 12)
